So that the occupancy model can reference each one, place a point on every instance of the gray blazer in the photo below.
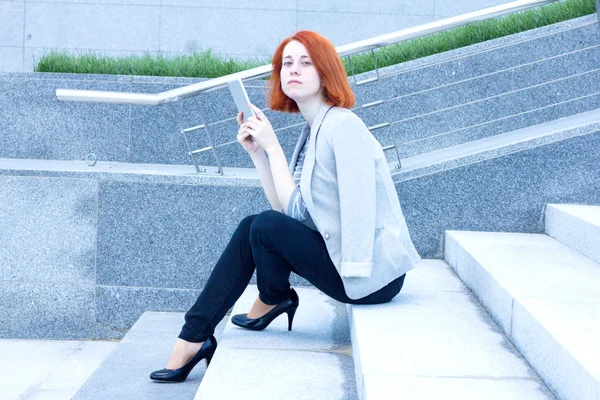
(348, 191)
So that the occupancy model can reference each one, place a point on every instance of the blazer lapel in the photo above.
(309, 160)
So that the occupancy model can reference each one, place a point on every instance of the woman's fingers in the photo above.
(251, 124)
(257, 111)
(240, 118)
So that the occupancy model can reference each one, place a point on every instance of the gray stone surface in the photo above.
(128, 172)
(119, 307)
(146, 347)
(402, 7)
(36, 125)
(187, 29)
(352, 27)
(577, 226)
(435, 331)
(48, 230)
(463, 6)
(425, 388)
(311, 362)
(175, 242)
(554, 303)
(236, 4)
(559, 336)
(495, 297)
(49, 369)
(46, 310)
(92, 26)
(500, 194)
(11, 59)
(291, 374)
(11, 29)
(499, 145)
(47, 257)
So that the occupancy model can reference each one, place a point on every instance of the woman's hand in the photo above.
(261, 130)
(244, 138)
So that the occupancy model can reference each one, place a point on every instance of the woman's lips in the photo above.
(293, 81)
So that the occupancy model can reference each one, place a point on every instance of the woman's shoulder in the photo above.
(344, 117)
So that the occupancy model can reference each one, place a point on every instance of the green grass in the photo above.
(207, 65)
(204, 64)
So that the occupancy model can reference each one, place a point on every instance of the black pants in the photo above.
(275, 244)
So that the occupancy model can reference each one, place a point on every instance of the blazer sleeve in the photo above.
(354, 154)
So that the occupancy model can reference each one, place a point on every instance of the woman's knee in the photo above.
(264, 224)
(246, 223)
(265, 221)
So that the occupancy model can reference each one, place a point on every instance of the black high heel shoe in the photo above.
(256, 324)
(180, 374)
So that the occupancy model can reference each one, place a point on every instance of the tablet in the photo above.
(236, 87)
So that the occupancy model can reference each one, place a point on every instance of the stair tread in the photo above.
(532, 264)
(124, 374)
(311, 361)
(589, 214)
(577, 226)
(435, 332)
(545, 296)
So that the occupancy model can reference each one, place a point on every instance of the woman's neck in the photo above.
(310, 108)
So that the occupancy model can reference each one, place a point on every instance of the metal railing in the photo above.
(368, 45)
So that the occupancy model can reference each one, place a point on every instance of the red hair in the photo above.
(328, 65)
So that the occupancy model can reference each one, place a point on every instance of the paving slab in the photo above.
(48, 369)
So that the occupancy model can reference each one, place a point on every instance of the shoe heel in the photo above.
(291, 314)
(209, 357)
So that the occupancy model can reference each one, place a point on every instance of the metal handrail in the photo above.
(265, 70)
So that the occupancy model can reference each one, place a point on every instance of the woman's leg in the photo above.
(228, 280)
(281, 244)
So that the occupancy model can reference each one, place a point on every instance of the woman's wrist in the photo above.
(276, 150)
(259, 153)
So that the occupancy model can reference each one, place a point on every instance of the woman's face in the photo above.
(300, 80)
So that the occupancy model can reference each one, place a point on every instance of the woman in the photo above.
(340, 225)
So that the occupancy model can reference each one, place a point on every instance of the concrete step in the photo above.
(313, 361)
(434, 341)
(577, 226)
(545, 297)
(145, 348)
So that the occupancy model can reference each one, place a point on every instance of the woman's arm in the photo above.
(282, 177)
(264, 173)
(282, 181)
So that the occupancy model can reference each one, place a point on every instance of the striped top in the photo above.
(296, 207)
